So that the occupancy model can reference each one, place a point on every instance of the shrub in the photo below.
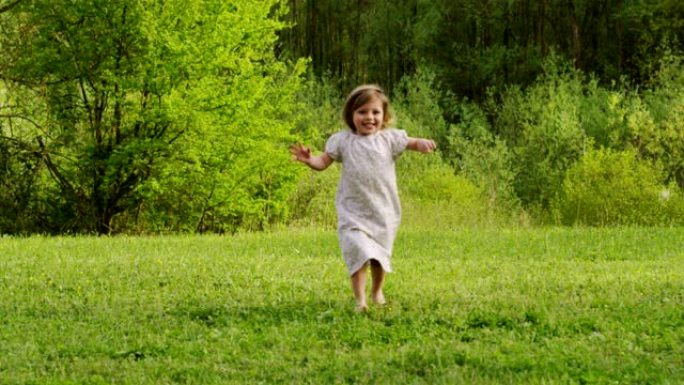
(673, 199)
(665, 101)
(608, 187)
(313, 201)
(416, 102)
(19, 178)
(433, 196)
(542, 127)
(477, 155)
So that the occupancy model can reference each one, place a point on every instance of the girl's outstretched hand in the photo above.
(422, 145)
(300, 153)
(426, 145)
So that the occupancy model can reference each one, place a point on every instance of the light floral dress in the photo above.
(367, 201)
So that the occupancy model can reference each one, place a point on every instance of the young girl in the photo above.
(367, 202)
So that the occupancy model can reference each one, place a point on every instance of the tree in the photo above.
(474, 45)
(121, 91)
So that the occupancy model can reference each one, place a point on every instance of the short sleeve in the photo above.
(398, 140)
(332, 147)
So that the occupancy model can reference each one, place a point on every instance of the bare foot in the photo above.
(379, 298)
(361, 308)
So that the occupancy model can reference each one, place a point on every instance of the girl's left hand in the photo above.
(425, 145)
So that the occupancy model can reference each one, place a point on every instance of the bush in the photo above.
(665, 101)
(416, 102)
(542, 127)
(476, 154)
(313, 201)
(434, 197)
(19, 177)
(608, 187)
(469, 181)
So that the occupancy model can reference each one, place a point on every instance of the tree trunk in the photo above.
(618, 32)
(541, 26)
(576, 38)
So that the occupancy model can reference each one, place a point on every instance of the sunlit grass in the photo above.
(476, 307)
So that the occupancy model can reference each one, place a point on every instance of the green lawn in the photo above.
(542, 306)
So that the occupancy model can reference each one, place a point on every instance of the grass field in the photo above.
(542, 306)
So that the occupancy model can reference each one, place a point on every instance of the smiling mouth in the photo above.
(367, 129)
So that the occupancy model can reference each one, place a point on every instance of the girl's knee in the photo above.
(361, 270)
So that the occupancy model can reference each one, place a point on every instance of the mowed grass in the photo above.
(541, 306)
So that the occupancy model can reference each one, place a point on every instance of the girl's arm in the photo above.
(422, 145)
(317, 162)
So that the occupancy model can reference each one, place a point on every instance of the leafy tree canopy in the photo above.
(117, 99)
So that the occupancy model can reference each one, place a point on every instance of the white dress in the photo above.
(367, 201)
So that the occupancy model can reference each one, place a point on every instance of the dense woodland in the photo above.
(474, 45)
(143, 116)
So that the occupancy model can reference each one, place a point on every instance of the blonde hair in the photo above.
(362, 95)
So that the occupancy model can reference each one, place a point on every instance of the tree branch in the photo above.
(14, 116)
(19, 143)
(54, 171)
(8, 6)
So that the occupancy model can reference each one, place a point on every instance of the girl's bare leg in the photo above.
(358, 280)
(378, 275)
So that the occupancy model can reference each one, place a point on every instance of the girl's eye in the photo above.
(363, 112)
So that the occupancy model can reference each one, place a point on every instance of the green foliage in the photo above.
(319, 111)
(473, 45)
(616, 188)
(649, 122)
(478, 190)
(550, 77)
(663, 140)
(649, 25)
(102, 126)
(416, 101)
(19, 176)
(352, 41)
(433, 197)
(230, 169)
(469, 44)
(154, 115)
(603, 112)
(539, 132)
(542, 126)
(474, 152)
(313, 202)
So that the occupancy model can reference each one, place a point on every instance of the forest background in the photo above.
(141, 116)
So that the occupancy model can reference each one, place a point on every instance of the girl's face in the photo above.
(369, 118)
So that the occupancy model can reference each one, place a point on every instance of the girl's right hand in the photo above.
(300, 153)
